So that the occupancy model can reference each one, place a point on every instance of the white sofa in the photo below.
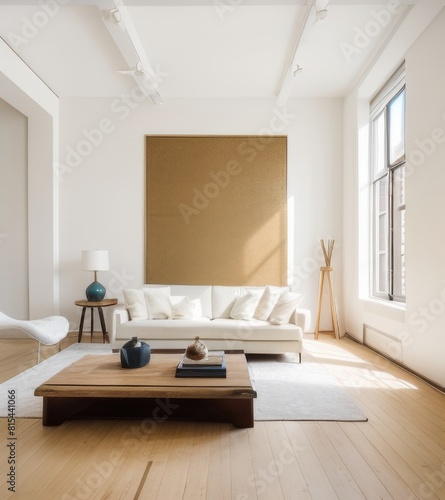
(224, 318)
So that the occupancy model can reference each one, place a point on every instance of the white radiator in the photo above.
(384, 343)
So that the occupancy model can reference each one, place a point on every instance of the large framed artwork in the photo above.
(216, 210)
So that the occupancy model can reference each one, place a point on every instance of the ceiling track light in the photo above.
(112, 15)
(155, 98)
(288, 85)
(124, 34)
(137, 70)
(306, 32)
(149, 87)
(145, 82)
(321, 14)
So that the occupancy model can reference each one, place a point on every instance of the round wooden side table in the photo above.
(86, 304)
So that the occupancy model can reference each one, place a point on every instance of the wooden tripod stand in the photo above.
(326, 272)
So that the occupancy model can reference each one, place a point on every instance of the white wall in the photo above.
(22, 89)
(415, 335)
(102, 186)
(425, 312)
(13, 212)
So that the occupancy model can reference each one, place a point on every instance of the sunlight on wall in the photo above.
(290, 238)
(364, 200)
(262, 252)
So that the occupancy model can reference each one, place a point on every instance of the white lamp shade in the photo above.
(95, 260)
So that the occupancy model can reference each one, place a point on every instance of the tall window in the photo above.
(387, 126)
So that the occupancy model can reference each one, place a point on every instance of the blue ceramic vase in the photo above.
(135, 354)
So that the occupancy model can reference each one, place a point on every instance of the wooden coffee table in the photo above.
(97, 386)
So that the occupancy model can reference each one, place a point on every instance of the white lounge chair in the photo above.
(47, 331)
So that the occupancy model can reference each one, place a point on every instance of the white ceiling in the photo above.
(219, 48)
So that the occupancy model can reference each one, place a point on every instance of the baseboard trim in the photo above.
(430, 382)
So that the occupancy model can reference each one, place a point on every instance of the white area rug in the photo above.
(286, 389)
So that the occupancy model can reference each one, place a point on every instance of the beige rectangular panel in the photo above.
(216, 210)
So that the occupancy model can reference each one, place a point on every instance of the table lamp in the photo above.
(95, 260)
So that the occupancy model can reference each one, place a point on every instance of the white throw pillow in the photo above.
(285, 306)
(158, 302)
(266, 304)
(182, 307)
(245, 306)
(135, 303)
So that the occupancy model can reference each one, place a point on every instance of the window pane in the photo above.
(378, 142)
(381, 235)
(382, 202)
(397, 128)
(383, 274)
(399, 232)
(383, 231)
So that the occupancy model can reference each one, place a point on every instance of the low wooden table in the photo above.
(97, 386)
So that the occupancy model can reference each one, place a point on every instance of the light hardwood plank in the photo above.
(267, 470)
(383, 469)
(157, 450)
(16, 356)
(177, 467)
(364, 476)
(218, 478)
(286, 454)
(316, 479)
(197, 476)
(82, 464)
(334, 467)
(241, 466)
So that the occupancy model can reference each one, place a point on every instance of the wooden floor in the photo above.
(398, 454)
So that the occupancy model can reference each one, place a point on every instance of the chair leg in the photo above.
(38, 353)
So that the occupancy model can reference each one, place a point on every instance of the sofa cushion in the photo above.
(245, 306)
(135, 303)
(266, 304)
(200, 295)
(223, 298)
(158, 302)
(182, 307)
(284, 308)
